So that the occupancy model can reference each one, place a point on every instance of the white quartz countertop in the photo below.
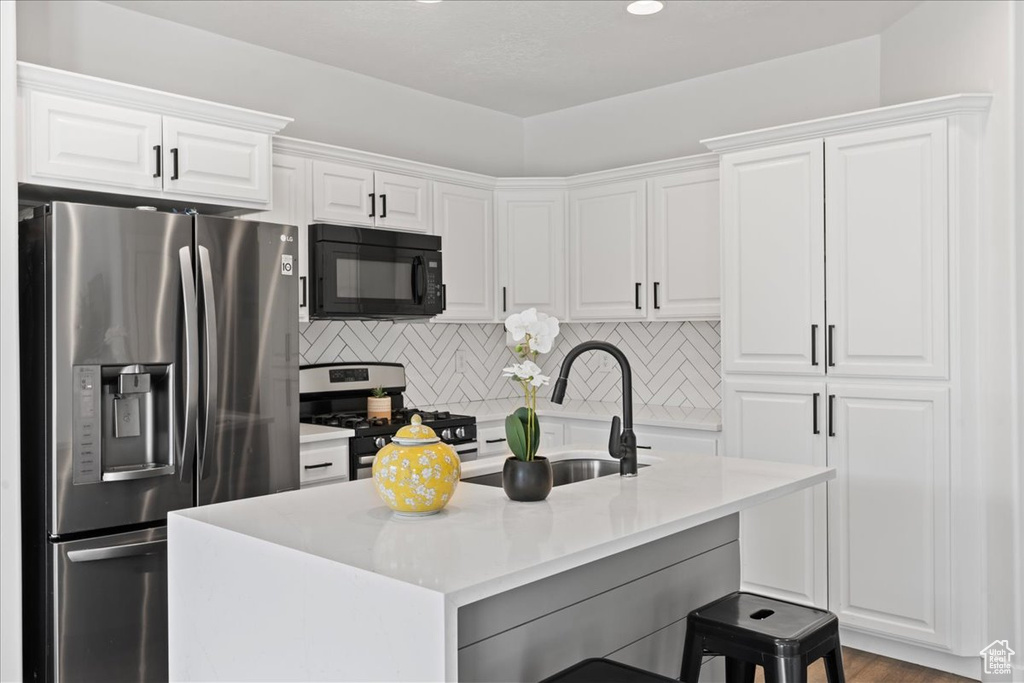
(482, 543)
(682, 417)
(309, 433)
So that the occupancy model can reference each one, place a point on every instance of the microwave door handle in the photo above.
(211, 353)
(191, 369)
(417, 279)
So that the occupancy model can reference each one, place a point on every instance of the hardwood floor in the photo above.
(864, 667)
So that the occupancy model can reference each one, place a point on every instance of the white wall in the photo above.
(10, 453)
(669, 121)
(328, 104)
(944, 47)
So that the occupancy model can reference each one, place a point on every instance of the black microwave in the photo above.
(364, 273)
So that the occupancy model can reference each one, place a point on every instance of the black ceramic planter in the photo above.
(526, 481)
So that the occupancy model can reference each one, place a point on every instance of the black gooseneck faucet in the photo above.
(621, 445)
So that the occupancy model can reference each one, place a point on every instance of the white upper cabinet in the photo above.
(607, 252)
(72, 139)
(94, 135)
(683, 250)
(887, 251)
(783, 543)
(208, 160)
(531, 251)
(352, 195)
(403, 202)
(773, 267)
(292, 205)
(889, 510)
(343, 194)
(463, 218)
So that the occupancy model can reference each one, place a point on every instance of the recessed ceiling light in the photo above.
(642, 7)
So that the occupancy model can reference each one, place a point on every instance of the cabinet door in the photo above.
(403, 202)
(889, 510)
(86, 142)
(531, 251)
(291, 206)
(887, 237)
(783, 543)
(773, 305)
(464, 220)
(204, 159)
(684, 252)
(607, 252)
(342, 194)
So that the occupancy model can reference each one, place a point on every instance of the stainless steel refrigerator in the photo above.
(159, 371)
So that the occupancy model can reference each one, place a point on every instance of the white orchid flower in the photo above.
(539, 380)
(519, 323)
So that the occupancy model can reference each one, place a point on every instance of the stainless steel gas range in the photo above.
(334, 395)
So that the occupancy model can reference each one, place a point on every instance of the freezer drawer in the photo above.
(111, 607)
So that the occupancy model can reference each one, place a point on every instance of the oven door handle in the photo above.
(418, 282)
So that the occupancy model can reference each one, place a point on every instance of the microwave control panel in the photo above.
(433, 294)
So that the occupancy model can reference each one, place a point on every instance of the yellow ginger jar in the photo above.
(416, 474)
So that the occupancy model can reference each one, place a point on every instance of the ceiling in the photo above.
(527, 57)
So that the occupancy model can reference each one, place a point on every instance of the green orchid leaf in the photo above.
(515, 433)
(526, 417)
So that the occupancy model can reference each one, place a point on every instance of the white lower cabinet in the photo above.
(889, 510)
(882, 560)
(783, 543)
(323, 462)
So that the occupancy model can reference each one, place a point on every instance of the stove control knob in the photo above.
(446, 434)
(380, 442)
(460, 432)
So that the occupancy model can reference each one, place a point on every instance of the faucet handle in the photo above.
(615, 439)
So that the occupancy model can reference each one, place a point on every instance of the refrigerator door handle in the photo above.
(210, 352)
(117, 551)
(188, 428)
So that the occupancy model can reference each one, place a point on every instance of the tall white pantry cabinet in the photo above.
(848, 251)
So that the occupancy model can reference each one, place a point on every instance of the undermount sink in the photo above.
(564, 471)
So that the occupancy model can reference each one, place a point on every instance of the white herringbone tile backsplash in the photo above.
(673, 363)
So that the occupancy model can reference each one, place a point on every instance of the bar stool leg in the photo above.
(693, 651)
(785, 670)
(834, 666)
(738, 671)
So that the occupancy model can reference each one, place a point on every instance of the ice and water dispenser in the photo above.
(123, 422)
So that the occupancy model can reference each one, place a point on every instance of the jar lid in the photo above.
(415, 434)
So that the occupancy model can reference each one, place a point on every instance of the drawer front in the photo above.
(491, 440)
(322, 460)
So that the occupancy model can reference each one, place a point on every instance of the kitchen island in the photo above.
(327, 584)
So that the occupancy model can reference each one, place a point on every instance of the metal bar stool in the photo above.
(752, 630)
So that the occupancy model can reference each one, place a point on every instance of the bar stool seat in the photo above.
(597, 670)
(752, 630)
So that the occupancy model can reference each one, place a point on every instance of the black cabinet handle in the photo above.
(504, 299)
(814, 410)
(636, 296)
(373, 205)
(831, 409)
(493, 440)
(383, 206)
(159, 160)
(174, 160)
(302, 284)
(831, 358)
(646, 448)
(656, 306)
(814, 346)
(318, 466)
(444, 297)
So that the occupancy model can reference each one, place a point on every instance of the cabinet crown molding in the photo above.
(949, 105)
(379, 162)
(47, 79)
